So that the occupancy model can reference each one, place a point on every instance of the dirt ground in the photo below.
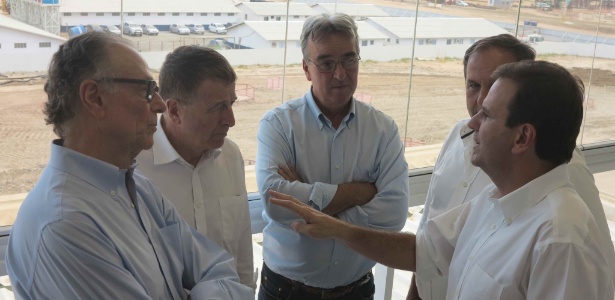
(436, 103)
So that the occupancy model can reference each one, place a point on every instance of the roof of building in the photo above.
(403, 27)
(275, 30)
(278, 8)
(152, 6)
(355, 10)
(8, 22)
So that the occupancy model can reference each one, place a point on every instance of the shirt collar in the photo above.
(527, 196)
(321, 117)
(98, 173)
(164, 153)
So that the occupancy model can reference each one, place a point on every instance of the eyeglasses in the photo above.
(152, 86)
(329, 65)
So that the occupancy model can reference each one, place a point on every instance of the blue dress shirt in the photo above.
(78, 235)
(365, 147)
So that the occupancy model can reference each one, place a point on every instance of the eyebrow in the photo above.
(323, 56)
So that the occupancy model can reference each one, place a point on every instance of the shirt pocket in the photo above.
(234, 210)
(479, 285)
(365, 173)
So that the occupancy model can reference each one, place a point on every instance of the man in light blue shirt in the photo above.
(340, 156)
(92, 227)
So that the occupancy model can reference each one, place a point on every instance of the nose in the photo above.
(481, 97)
(339, 72)
(157, 105)
(474, 122)
(228, 119)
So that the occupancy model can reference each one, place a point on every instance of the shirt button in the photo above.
(112, 193)
(492, 226)
(132, 205)
(465, 184)
(336, 262)
(337, 167)
(470, 258)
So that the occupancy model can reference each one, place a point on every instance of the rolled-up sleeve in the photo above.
(274, 150)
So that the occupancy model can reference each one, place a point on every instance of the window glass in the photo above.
(424, 96)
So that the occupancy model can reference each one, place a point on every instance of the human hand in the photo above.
(317, 224)
(289, 173)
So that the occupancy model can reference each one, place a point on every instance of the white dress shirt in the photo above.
(456, 181)
(538, 242)
(211, 197)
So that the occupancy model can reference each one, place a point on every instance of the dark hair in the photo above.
(505, 42)
(79, 58)
(318, 26)
(187, 67)
(549, 98)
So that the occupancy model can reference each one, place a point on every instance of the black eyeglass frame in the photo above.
(340, 62)
(152, 86)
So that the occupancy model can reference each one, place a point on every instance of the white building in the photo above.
(271, 34)
(25, 48)
(503, 4)
(274, 11)
(435, 31)
(161, 13)
(356, 11)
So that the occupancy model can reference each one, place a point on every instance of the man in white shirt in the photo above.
(456, 181)
(192, 162)
(528, 235)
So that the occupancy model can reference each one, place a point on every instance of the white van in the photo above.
(217, 28)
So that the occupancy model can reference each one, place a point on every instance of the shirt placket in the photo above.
(337, 177)
(200, 219)
(492, 227)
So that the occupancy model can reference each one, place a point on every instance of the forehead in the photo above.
(482, 64)
(500, 95)
(126, 62)
(214, 91)
(332, 45)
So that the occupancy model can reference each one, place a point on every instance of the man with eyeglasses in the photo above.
(93, 227)
(336, 154)
(192, 161)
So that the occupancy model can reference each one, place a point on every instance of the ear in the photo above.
(91, 96)
(525, 139)
(306, 71)
(174, 111)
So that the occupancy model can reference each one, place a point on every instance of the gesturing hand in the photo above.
(317, 224)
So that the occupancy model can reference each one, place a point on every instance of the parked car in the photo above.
(93, 28)
(543, 6)
(461, 3)
(217, 28)
(196, 28)
(533, 38)
(179, 29)
(131, 28)
(111, 29)
(149, 29)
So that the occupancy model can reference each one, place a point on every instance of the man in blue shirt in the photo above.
(336, 154)
(92, 227)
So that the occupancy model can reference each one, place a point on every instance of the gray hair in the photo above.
(80, 58)
(319, 26)
(187, 67)
(504, 42)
